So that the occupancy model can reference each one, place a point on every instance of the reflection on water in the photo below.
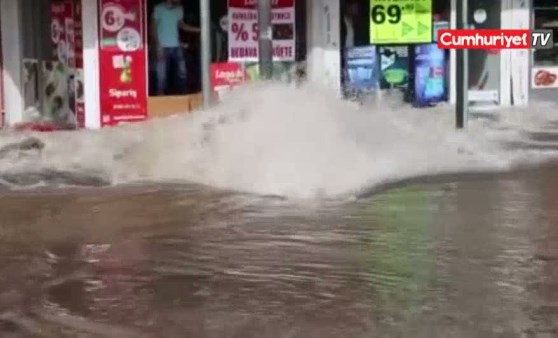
(469, 258)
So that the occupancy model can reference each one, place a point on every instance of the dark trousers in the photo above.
(172, 63)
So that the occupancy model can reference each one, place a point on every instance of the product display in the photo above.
(430, 75)
(394, 66)
(361, 69)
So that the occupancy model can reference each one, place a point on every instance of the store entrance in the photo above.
(174, 53)
(392, 66)
(484, 65)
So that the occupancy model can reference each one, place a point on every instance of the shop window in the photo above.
(176, 70)
(49, 60)
(172, 83)
(546, 17)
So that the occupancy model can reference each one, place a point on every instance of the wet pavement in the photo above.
(454, 257)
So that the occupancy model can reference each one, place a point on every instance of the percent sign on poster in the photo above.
(242, 34)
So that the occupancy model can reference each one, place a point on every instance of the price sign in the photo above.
(243, 34)
(400, 21)
(113, 18)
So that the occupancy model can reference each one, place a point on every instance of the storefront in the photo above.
(365, 32)
(92, 64)
(43, 62)
(497, 78)
(60, 65)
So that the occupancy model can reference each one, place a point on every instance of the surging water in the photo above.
(295, 142)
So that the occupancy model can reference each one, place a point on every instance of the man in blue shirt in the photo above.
(166, 21)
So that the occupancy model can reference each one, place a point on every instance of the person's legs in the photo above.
(162, 65)
(153, 82)
(188, 61)
(180, 70)
(177, 67)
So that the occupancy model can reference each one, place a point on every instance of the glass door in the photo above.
(484, 65)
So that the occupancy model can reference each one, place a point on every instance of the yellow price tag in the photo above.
(400, 21)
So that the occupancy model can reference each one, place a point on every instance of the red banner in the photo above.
(225, 76)
(79, 80)
(2, 110)
(62, 26)
(122, 58)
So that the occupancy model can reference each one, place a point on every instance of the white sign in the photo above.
(114, 17)
(483, 95)
(480, 15)
(544, 77)
(243, 33)
(128, 39)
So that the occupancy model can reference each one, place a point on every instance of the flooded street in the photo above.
(463, 257)
(135, 231)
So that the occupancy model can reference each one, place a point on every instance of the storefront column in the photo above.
(453, 55)
(506, 17)
(90, 13)
(520, 58)
(324, 44)
(10, 11)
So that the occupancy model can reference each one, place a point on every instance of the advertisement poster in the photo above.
(78, 74)
(544, 77)
(56, 84)
(243, 30)
(394, 67)
(225, 76)
(122, 58)
(400, 21)
(430, 75)
(361, 69)
(62, 26)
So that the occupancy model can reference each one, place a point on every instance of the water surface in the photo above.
(470, 257)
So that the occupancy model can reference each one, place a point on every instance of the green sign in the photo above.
(400, 21)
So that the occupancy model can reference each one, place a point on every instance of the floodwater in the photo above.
(409, 232)
(469, 257)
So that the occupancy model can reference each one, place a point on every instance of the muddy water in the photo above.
(475, 257)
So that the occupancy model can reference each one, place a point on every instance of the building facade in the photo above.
(62, 59)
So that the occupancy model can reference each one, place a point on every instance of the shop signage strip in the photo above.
(123, 64)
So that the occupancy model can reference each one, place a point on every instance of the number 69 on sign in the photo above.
(400, 21)
(380, 13)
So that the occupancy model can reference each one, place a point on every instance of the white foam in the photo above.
(302, 143)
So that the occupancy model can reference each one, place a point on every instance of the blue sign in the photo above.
(430, 75)
(361, 69)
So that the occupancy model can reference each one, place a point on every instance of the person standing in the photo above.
(166, 22)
